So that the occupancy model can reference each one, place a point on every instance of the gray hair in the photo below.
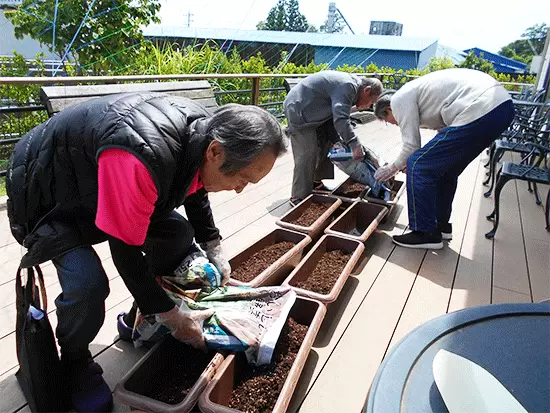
(375, 85)
(245, 132)
(383, 103)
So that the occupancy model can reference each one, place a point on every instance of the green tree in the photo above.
(532, 44)
(478, 63)
(439, 63)
(285, 16)
(97, 34)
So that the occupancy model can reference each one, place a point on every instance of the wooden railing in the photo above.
(265, 90)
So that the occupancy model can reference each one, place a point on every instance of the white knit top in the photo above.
(451, 97)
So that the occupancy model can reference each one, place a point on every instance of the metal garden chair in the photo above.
(536, 172)
(518, 140)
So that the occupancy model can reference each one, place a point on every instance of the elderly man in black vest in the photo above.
(115, 169)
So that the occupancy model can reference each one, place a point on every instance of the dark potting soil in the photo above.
(326, 272)
(353, 190)
(181, 368)
(258, 388)
(310, 215)
(260, 260)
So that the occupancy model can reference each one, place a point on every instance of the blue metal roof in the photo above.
(500, 63)
(361, 41)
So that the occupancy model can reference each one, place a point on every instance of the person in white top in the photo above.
(469, 109)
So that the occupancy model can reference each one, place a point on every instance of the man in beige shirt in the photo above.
(469, 109)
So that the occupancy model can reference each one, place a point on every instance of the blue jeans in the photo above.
(85, 286)
(433, 170)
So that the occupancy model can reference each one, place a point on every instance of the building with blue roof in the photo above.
(335, 49)
(500, 63)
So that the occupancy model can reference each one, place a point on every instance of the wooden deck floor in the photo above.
(392, 291)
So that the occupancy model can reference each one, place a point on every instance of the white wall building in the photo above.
(8, 43)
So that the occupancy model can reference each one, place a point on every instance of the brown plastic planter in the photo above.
(339, 191)
(358, 222)
(305, 268)
(279, 270)
(399, 188)
(216, 396)
(320, 224)
(149, 366)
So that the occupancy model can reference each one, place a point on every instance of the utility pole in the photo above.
(331, 19)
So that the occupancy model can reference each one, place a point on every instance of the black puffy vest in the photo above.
(52, 181)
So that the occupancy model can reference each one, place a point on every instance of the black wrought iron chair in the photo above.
(533, 131)
(536, 172)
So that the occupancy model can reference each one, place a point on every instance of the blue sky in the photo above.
(486, 24)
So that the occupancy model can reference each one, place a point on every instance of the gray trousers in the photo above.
(311, 163)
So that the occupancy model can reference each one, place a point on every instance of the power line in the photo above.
(74, 37)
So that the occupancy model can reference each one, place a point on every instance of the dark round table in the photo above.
(512, 341)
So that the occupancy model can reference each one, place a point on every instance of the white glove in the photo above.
(186, 324)
(386, 172)
(357, 149)
(214, 252)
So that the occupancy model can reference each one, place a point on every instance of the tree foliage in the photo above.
(532, 44)
(97, 34)
(285, 16)
(478, 63)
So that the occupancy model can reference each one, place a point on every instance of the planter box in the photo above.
(129, 389)
(278, 270)
(305, 268)
(399, 186)
(216, 396)
(317, 227)
(340, 190)
(358, 222)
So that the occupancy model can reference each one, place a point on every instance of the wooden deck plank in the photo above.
(340, 313)
(430, 295)
(250, 213)
(366, 339)
(5, 234)
(536, 241)
(509, 261)
(235, 205)
(538, 258)
(248, 235)
(502, 295)
(10, 257)
(472, 284)
(282, 165)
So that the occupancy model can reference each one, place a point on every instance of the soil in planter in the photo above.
(258, 388)
(326, 272)
(353, 190)
(260, 260)
(310, 215)
(182, 368)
